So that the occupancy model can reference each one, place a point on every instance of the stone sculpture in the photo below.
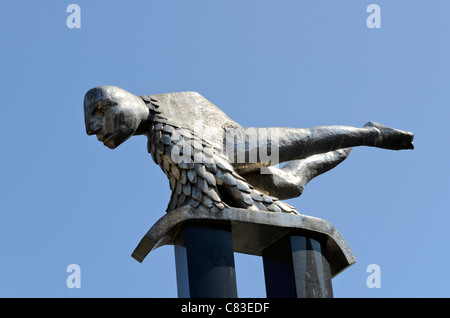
(212, 162)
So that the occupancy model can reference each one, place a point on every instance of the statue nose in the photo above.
(93, 124)
(90, 130)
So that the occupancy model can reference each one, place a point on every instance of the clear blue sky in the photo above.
(67, 199)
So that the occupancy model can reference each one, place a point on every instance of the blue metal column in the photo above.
(297, 267)
(205, 264)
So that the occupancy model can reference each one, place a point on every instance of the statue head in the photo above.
(114, 115)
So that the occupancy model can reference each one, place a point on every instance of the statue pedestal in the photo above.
(301, 254)
(297, 267)
(205, 264)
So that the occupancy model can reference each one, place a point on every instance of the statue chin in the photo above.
(115, 141)
(110, 145)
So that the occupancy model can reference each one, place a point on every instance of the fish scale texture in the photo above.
(199, 173)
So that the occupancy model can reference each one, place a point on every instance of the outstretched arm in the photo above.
(299, 143)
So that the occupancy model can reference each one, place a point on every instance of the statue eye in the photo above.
(99, 111)
(102, 107)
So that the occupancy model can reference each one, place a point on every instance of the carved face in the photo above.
(113, 114)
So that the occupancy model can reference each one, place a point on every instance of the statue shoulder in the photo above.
(189, 108)
(177, 95)
(185, 101)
